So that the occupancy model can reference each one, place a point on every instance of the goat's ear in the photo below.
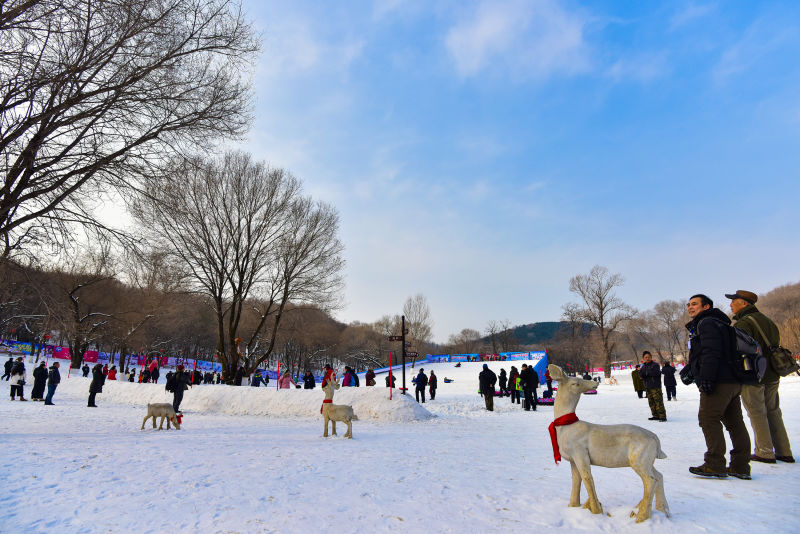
(556, 371)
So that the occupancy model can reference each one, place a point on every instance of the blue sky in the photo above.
(482, 153)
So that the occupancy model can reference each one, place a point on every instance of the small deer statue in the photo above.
(336, 412)
(585, 444)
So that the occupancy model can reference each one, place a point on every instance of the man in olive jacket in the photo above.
(638, 384)
(710, 366)
(761, 400)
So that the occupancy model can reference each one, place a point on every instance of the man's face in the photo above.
(738, 304)
(695, 306)
(648, 358)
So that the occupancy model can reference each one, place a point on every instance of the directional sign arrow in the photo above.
(395, 338)
(412, 354)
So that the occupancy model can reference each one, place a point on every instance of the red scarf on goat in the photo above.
(324, 402)
(566, 419)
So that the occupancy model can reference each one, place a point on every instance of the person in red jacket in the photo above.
(112, 373)
(328, 375)
(105, 370)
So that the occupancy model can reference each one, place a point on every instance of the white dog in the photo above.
(163, 410)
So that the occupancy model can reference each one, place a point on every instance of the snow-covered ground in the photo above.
(254, 460)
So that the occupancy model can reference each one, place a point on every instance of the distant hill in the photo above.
(537, 333)
(533, 334)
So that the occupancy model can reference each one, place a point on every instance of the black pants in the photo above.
(529, 403)
(91, 399)
(433, 393)
(671, 390)
(177, 398)
(15, 390)
(6, 376)
(640, 392)
(514, 395)
(419, 391)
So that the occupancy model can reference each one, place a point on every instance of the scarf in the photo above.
(566, 419)
(324, 402)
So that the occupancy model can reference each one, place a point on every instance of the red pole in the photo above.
(193, 368)
(390, 376)
(278, 380)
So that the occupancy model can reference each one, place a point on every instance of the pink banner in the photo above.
(90, 356)
(62, 353)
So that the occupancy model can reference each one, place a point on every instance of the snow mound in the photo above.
(367, 402)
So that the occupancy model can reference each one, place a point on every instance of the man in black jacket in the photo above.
(710, 366)
(486, 380)
(53, 379)
(421, 382)
(7, 368)
(651, 376)
(530, 381)
(181, 384)
(668, 370)
(98, 379)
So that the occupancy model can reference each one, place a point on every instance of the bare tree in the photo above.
(93, 94)
(670, 318)
(600, 306)
(465, 342)
(244, 230)
(418, 319)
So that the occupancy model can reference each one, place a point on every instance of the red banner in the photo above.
(62, 353)
(90, 356)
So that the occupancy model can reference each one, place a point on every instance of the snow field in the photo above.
(253, 460)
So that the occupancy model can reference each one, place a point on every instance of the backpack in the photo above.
(172, 382)
(744, 354)
(780, 357)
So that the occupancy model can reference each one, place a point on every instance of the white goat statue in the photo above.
(336, 412)
(586, 444)
(163, 410)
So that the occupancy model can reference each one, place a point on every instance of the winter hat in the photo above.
(485, 366)
(749, 296)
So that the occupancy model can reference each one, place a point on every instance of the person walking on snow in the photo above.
(18, 379)
(7, 368)
(651, 376)
(39, 381)
(53, 379)
(638, 383)
(720, 390)
(421, 382)
(432, 385)
(486, 380)
(98, 379)
(761, 401)
(669, 380)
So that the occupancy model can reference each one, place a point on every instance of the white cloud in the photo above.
(527, 39)
(760, 39)
(294, 47)
(690, 13)
(642, 68)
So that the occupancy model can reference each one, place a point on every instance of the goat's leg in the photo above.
(168, 421)
(325, 434)
(585, 469)
(145, 420)
(333, 423)
(575, 496)
(160, 426)
(661, 499)
(349, 433)
(645, 472)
